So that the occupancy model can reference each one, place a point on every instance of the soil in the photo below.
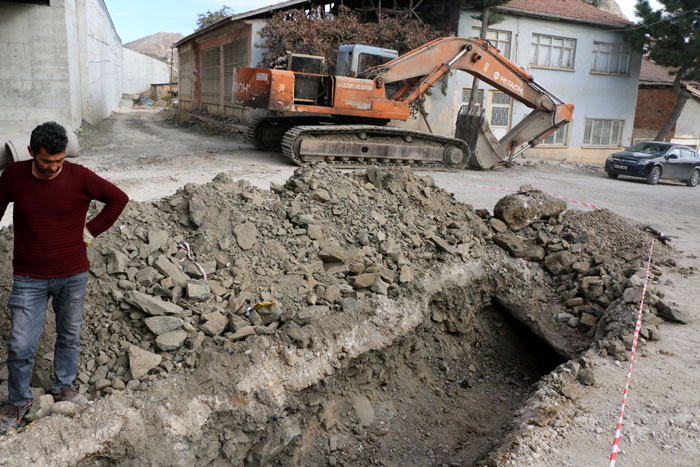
(457, 382)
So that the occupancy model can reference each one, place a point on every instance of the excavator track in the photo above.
(354, 146)
(265, 133)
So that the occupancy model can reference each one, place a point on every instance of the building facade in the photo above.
(574, 50)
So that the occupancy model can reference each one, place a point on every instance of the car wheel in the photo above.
(654, 175)
(612, 175)
(694, 178)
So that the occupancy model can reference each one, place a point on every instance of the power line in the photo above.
(642, 26)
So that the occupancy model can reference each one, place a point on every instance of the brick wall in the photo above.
(654, 105)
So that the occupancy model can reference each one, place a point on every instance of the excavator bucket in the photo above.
(474, 129)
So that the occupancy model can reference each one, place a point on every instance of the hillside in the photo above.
(157, 44)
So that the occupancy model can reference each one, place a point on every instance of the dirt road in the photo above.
(149, 157)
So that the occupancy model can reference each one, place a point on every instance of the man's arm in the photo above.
(115, 200)
(4, 193)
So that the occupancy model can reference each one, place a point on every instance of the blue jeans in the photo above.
(28, 302)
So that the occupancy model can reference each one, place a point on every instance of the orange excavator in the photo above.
(342, 117)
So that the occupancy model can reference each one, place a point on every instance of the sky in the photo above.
(135, 19)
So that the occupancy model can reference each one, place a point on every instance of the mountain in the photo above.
(156, 45)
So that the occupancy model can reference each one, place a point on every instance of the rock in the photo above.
(172, 340)
(632, 295)
(311, 314)
(616, 349)
(442, 245)
(511, 243)
(246, 235)
(161, 324)
(587, 321)
(672, 314)
(333, 254)
(269, 314)
(586, 377)
(197, 211)
(564, 317)
(198, 289)
(365, 280)
(363, 410)
(151, 305)
(146, 276)
(581, 267)
(215, 323)
(333, 294)
(242, 333)
(559, 262)
(41, 408)
(237, 322)
(321, 195)
(156, 240)
(142, 361)
(102, 383)
(66, 408)
(520, 209)
(406, 274)
(314, 232)
(117, 262)
(99, 374)
(168, 269)
(497, 225)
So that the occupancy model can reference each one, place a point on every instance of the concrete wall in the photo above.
(688, 124)
(654, 106)
(62, 62)
(139, 71)
(34, 75)
(594, 95)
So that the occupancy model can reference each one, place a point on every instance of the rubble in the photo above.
(173, 286)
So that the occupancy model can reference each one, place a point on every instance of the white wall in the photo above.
(688, 124)
(139, 71)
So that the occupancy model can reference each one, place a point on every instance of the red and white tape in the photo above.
(616, 441)
(565, 198)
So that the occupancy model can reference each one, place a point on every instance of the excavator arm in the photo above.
(423, 66)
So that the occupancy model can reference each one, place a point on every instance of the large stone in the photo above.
(199, 290)
(672, 314)
(364, 280)
(197, 210)
(333, 254)
(559, 262)
(363, 410)
(511, 243)
(146, 276)
(215, 323)
(161, 324)
(66, 408)
(41, 408)
(142, 361)
(311, 314)
(172, 340)
(521, 209)
(237, 322)
(151, 305)
(168, 269)
(156, 240)
(117, 262)
(246, 235)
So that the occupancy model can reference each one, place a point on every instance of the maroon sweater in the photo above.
(49, 216)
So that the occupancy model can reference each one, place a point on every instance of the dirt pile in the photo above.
(382, 284)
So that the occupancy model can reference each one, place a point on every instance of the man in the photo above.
(51, 198)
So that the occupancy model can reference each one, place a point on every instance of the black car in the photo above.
(654, 160)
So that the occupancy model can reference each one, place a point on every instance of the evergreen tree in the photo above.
(670, 37)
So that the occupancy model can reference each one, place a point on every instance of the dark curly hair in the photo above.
(50, 136)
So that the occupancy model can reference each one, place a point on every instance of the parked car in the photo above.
(653, 160)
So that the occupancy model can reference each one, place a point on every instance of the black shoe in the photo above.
(71, 395)
(12, 415)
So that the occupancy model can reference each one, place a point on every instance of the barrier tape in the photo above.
(190, 256)
(616, 441)
(565, 198)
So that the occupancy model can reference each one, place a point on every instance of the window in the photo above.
(466, 94)
(499, 39)
(610, 58)
(500, 109)
(558, 138)
(599, 132)
(211, 80)
(553, 52)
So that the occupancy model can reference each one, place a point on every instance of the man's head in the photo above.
(47, 147)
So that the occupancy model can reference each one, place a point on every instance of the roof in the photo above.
(572, 10)
(248, 14)
(654, 73)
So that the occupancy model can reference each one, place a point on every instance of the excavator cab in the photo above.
(353, 60)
